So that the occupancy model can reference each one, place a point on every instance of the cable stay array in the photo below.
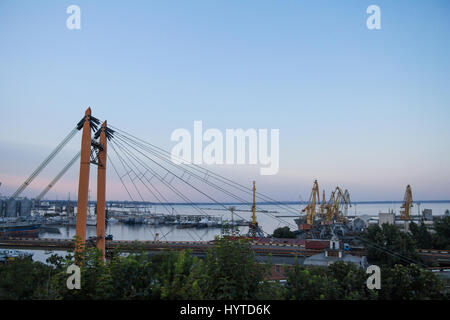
(58, 176)
(44, 164)
(149, 173)
(207, 173)
(140, 172)
(94, 122)
(192, 171)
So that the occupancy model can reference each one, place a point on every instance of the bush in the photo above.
(284, 232)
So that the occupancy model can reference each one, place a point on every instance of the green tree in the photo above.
(271, 290)
(304, 284)
(421, 235)
(283, 232)
(441, 239)
(174, 275)
(351, 281)
(389, 246)
(93, 271)
(409, 283)
(129, 277)
(230, 271)
(23, 278)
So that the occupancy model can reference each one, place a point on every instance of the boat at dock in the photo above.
(186, 225)
(8, 254)
(19, 229)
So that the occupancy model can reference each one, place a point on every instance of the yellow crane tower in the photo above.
(254, 230)
(407, 204)
(323, 205)
(330, 207)
(338, 200)
(342, 207)
(311, 207)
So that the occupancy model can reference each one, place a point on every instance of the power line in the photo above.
(183, 180)
(121, 147)
(217, 176)
(44, 164)
(163, 156)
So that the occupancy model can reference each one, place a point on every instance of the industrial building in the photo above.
(15, 207)
(333, 254)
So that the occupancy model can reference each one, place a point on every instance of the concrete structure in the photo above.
(386, 217)
(333, 254)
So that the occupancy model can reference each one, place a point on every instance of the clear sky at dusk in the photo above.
(368, 110)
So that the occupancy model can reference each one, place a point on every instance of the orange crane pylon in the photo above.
(83, 186)
(101, 191)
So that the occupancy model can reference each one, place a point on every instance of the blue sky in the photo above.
(368, 110)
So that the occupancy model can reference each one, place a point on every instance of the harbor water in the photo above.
(275, 217)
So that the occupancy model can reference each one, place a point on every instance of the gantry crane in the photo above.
(330, 207)
(254, 229)
(323, 205)
(339, 200)
(343, 204)
(310, 209)
(407, 204)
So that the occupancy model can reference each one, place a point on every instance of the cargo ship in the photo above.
(19, 229)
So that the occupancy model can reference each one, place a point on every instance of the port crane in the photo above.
(334, 210)
(330, 207)
(323, 205)
(407, 204)
(339, 201)
(310, 209)
(254, 229)
(342, 206)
